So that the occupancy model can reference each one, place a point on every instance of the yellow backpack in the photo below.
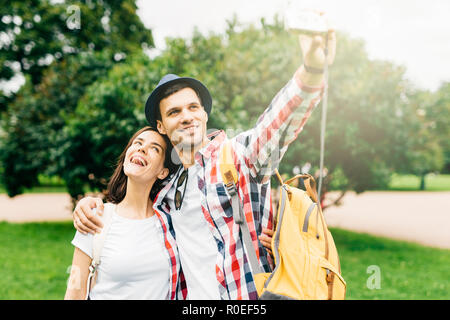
(306, 260)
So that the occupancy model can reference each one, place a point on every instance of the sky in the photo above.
(412, 33)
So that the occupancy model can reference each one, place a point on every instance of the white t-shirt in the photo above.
(134, 264)
(196, 245)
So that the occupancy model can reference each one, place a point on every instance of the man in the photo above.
(194, 207)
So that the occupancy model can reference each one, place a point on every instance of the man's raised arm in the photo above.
(288, 112)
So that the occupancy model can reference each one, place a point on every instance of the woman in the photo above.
(134, 264)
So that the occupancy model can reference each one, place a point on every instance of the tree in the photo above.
(437, 114)
(38, 32)
(424, 144)
(110, 111)
(60, 48)
(34, 121)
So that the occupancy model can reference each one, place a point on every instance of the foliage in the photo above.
(35, 120)
(61, 48)
(425, 142)
(437, 115)
(38, 32)
(105, 118)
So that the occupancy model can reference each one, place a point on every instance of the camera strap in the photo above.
(323, 120)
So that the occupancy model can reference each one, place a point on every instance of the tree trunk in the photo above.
(422, 182)
(336, 202)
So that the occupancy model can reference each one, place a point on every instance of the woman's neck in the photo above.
(136, 204)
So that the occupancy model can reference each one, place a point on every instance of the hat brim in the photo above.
(152, 104)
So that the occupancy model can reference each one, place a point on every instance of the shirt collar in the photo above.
(162, 194)
(216, 139)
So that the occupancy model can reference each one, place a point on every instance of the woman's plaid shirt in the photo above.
(256, 153)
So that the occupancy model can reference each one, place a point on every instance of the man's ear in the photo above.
(206, 115)
(160, 127)
(163, 174)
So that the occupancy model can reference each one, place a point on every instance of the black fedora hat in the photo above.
(152, 104)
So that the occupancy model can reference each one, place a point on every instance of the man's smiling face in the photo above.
(183, 119)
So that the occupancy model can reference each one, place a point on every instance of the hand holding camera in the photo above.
(317, 39)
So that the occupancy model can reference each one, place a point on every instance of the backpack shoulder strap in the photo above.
(98, 242)
(227, 168)
(310, 185)
(99, 238)
(230, 178)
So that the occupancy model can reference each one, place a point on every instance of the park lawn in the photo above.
(408, 271)
(440, 182)
(35, 258)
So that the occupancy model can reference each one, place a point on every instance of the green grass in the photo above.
(34, 259)
(408, 271)
(433, 182)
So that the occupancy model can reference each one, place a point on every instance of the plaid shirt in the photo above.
(256, 154)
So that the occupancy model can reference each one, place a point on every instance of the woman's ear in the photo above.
(163, 174)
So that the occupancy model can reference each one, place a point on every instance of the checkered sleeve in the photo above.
(279, 125)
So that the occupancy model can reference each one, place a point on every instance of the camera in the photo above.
(305, 21)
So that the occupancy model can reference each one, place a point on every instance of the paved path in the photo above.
(34, 207)
(422, 217)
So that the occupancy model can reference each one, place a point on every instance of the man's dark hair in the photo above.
(171, 90)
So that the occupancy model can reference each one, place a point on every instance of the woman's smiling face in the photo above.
(144, 159)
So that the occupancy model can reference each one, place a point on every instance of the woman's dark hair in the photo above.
(117, 185)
